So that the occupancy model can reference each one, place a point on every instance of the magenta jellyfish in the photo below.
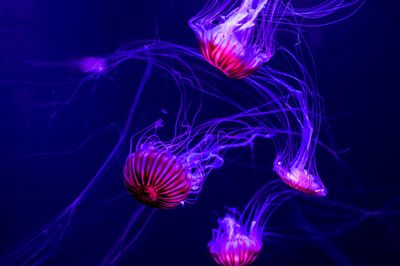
(297, 128)
(232, 38)
(295, 162)
(238, 240)
(156, 178)
(300, 179)
(233, 245)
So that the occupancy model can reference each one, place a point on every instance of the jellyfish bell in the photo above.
(238, 240)
(157, 178)
(233, 245)
(160, 176)
(232, 39)
(231, 58)
(301, 180)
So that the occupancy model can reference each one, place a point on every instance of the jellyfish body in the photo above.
(301, 180)
(232, 245)
(238, 239)
(231, 39)
(157, 179)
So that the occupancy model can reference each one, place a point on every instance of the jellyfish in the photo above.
(233, 245)
(157, 178)
(300, 179)
(238, 240)
(295, 162)
(232, 39)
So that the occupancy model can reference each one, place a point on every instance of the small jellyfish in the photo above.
(301, 180)
(238, 240)
(156, 178)
(232, 245)
(236, 40)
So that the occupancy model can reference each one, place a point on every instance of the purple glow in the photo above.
(93, 65)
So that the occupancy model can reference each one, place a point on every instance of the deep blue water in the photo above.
(357, 69)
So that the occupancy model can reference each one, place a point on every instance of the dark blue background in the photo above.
(357, 68)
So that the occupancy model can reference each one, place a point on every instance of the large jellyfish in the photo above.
(157, 178)
(238, 240)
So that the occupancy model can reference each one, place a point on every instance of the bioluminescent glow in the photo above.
(169, 161)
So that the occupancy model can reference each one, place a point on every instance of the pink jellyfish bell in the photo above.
(238, 239)
(301, 180)
(232, 245)
(157, 179)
